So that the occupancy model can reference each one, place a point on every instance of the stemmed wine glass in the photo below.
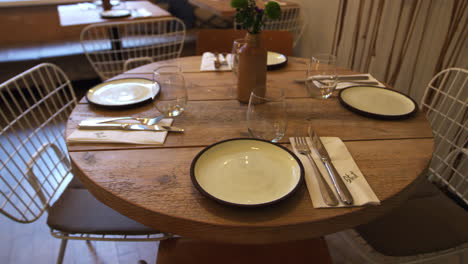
(267, 114)
(172, 99)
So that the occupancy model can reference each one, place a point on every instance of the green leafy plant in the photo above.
(251, 17)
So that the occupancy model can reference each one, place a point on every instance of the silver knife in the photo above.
(111, 119)
(133, 127)
(340, 187)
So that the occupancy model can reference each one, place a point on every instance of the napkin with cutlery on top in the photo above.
(208, 62)
(344, 84)
(120, 136)
(347, 168)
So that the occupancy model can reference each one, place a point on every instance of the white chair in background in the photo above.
(429, 226)
(35, 168)
(292, 20)
(115, 47)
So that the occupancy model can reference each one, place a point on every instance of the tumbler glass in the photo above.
(172, 98)
(321, 79)
(267, 115)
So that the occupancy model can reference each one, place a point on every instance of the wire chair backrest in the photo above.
(446, 104)
(110, 46)
(291, 20)
(35, 106)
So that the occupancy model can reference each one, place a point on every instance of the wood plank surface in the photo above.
(153, 186)
(79, 14)
(206, 122)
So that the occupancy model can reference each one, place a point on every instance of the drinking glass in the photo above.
(267, 115)
(172, 98)
(236, 46)
(321, 79)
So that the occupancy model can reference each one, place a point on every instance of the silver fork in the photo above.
(325, 190)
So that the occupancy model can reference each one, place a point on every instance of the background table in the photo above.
(151, 184)
(223, 7)
(80, 14)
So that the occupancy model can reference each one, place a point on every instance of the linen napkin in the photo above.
(346, 167)
(344, 84)
(120, 136)
(208, 59)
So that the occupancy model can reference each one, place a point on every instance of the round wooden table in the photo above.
(152, 185)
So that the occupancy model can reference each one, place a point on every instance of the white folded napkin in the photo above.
(120, 136)
(346, 167)
(141, 12)
(208, 59)
(342, 85)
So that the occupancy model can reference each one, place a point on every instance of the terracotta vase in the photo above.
(251, 75)
(106, 5)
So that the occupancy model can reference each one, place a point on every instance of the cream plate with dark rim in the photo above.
(275, 60)
(116, 13)
(122, 92)
(246, 172)
(377, 102)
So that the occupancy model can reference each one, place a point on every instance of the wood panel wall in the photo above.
(31, 25)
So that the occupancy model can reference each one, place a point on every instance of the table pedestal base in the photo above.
(185, 251)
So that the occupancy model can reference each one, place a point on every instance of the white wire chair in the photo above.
(115, 47)
(35, 168)
(292, 20)
(446, 105)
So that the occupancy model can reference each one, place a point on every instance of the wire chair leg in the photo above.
(63, 246)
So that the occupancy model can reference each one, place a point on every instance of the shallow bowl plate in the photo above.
(377, 102)
(116, 13)
(275, 60)
(246, 172)
(122, 92)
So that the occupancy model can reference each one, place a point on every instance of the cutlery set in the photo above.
(146, 124)
(220, 59)
(328, 196)
(356, 79)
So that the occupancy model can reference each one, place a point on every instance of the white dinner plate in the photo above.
(377, 102)
(116, 13)
(122, 92)
(246, 172)
(275, 60)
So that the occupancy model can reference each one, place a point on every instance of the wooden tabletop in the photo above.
(151, 184)
(85, 14)
(223, 7)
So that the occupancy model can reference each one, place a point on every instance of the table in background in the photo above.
(80, 14)
(223, 7)
(152, 185)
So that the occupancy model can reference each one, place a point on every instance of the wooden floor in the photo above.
(32, 243)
